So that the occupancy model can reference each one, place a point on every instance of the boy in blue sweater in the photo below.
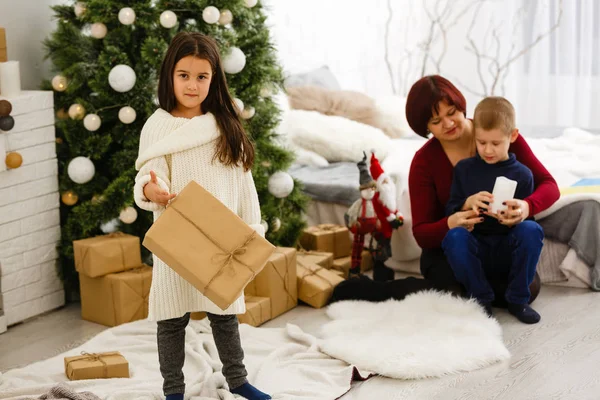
(491, 250)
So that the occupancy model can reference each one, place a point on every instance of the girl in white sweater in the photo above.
(195, 135)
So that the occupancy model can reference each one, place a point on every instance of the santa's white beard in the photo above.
(387, 194)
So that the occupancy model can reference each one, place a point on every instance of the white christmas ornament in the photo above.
(264, 225)
(92, 122)
(226, 17)
(110, 226)
(59, 83)
(248, 112)
(122, 78)
(127, 115)
(276, 224)
(79, 8)
(76, 111)
(211, 15)
(99, 30)
(126, 16)
(281, 184)
(250, 3)
(128, 215)
(234, 61)
(239, 105)
(168, 19)
(81, 170)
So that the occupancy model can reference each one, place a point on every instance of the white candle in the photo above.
(10, 79)
(504, 189)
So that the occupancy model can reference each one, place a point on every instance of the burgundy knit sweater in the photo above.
(430, 179)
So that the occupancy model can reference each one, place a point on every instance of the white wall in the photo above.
(27, 24)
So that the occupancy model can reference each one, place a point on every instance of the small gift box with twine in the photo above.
(258, 311)
(96, 366)
(208, 245)
(321, 258)
(107, 254)
(328, 238)
(316, 284)
(277, 281)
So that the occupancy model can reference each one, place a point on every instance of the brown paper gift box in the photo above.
(316, 284)
(96, 366)
(208, 245)
(328, 238)
(341, 274)
(321, 258)
(115, 299)
(277, 281)
(366, 262)
(258, 311)
(342, 264)
(107, 254)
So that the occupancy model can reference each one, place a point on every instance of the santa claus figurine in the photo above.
(389, 217)
(361, 218)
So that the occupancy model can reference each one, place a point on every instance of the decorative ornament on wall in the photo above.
(5, 108)
(127, 115)
(13, 160)
(126, 15)
(98, 30)
(128, 215)
(69, 198)
(211, 15)
(226, 17)
(76, 111)
(122, 78)
(81, 170)
(7, 123)
(59, 83)
(280, 184)
(168, 19)
(235, 61)
(92, 122)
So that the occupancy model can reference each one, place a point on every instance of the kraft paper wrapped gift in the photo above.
(316, 284)
(107, 254)
(343, 264)
(321, 258)
(277, 281)
(258, 311)
(208, 245)
(115, 299)
(327, 238)
(96, 366)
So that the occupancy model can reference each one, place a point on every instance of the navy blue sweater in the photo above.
(474, 175)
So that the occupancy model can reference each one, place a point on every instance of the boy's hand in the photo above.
(517, 211)
(155, 194)
(478, 201)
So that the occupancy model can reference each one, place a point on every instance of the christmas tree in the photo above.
(106, 54)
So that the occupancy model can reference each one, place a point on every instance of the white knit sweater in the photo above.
(180, 150)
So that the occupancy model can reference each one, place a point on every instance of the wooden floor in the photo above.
(557, 359)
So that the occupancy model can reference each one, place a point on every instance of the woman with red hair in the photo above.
(436, 108)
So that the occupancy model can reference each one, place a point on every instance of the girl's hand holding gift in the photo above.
(155, 194)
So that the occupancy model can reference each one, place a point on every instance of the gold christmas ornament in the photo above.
(13, 160)
(276, 225)
(69, 198)
(59, 83)
(128, 215)
(226, 17)
(76, 111)
(62, 114)
(248, 112)
(97, 199)
(58, 140)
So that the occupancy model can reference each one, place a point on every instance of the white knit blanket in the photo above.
(286, 363)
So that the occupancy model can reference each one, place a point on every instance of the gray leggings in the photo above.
(171, 350)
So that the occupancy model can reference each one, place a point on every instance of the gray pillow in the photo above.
(322, 77)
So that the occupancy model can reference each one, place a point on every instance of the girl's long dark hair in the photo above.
(233, 146)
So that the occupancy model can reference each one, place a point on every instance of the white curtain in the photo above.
(559, 79)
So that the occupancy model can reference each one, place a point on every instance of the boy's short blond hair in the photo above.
(495, 112)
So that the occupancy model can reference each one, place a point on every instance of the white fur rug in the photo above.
(428, 334)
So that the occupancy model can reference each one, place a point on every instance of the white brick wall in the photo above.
(29, 213)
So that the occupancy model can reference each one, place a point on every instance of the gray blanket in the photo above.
(578, 225)
(336, 183)
(63, 392)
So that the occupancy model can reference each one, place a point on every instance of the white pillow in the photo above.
(391, 116)
(334, 138)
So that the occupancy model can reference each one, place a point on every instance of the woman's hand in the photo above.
(466, 219)
(481, 200)
(517, 211)
(155, 194)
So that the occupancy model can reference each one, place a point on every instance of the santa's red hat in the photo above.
(376, 170)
